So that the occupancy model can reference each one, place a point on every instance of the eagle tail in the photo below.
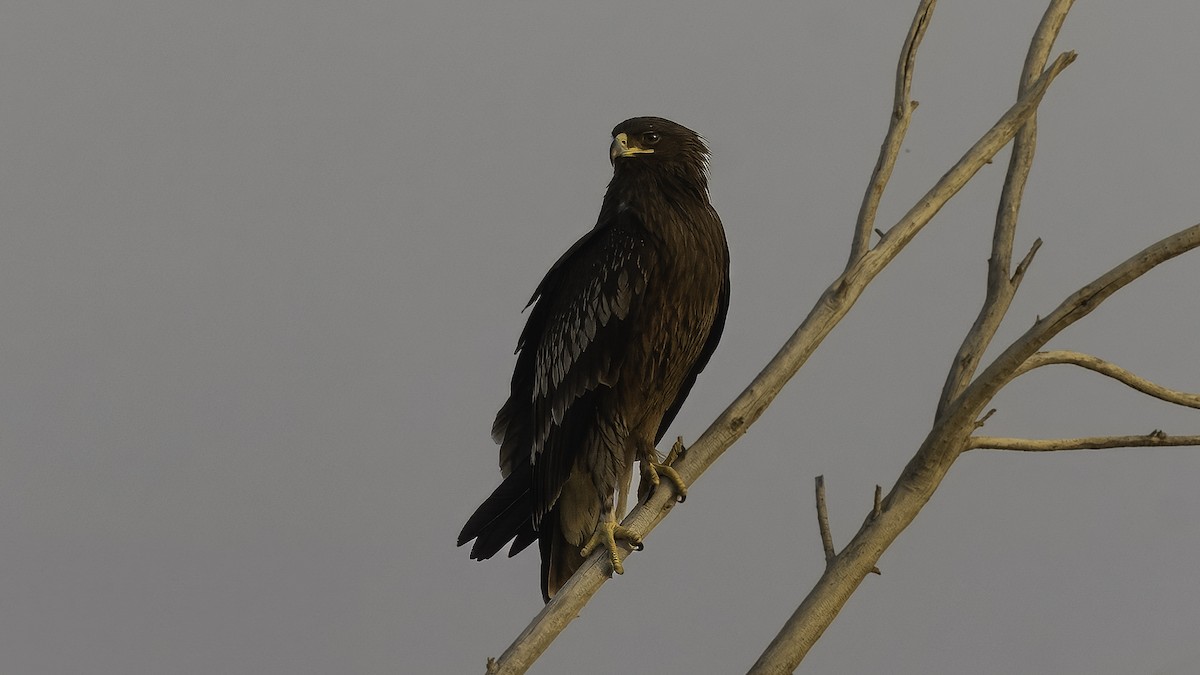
(504, 516)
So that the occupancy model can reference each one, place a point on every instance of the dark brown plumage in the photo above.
(622, 325)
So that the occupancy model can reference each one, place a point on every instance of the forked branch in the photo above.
(949, 437)
(731, 424)
(964, 398)
(902, 108)
(1001, 286)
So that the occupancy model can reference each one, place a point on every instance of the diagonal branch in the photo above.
(902, 108)
(987, 146)
(1081, 303)
(948, 438)
(1111, 370)
(731, 424)
(1001, 287)
(1156, 439)
(956, 418)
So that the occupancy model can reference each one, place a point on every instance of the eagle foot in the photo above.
(606, 534)
(652, 470)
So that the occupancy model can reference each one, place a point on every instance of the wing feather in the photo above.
(571, 349)
(710, 345)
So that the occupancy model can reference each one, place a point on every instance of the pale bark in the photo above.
(965, 394)
(832, 306)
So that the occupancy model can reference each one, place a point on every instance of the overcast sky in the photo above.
(261, 273)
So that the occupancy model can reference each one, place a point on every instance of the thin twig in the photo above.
(970, 163)
(902, 108)
(823, 521)
(1153, 440)
(876, 511)
(1019, 273)
(1112, 370)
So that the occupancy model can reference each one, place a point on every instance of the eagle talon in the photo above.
(677, 451)
(606, 534)
(653, 470)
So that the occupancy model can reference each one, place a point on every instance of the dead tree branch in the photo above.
(1001, 287)
(950, 436)
(1081, 303)
(963, 398)
(731, 424)
(902, 108)
(1155, 439)
(823, 521)
(1111, 370)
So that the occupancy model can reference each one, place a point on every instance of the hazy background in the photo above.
(261, 272)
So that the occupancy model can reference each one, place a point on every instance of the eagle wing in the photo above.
(710, 345)
(572, 349)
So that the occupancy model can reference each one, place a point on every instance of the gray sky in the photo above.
(261, 268)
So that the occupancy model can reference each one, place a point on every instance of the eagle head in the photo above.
(659, 142)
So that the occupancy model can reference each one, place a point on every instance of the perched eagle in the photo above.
(623, 323)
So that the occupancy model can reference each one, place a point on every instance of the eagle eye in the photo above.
(650, 138)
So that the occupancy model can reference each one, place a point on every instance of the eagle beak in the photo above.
(620, 148)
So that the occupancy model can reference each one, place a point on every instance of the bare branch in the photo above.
(1111, 370)
(823, 521)
(1019, 274)
(910, 493)
(1153, 440)
(948, 438)
(902, 109)
(1081, 303)
(731, 424)
(997, 137)
(1000, 286)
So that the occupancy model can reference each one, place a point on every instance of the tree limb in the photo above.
(984, 149)
(950, 436)
(731, 424)
(823, 521)
(1001, 287)
(1081, 303)
(1156, 439)
(902, 108)
(1111, 370)
(925, 471)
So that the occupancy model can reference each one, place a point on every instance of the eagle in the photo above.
(621, 326)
